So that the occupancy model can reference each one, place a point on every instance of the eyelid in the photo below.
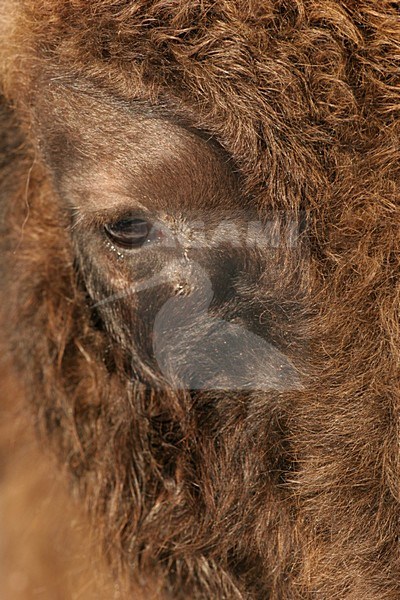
(129, 233)
(100, 217)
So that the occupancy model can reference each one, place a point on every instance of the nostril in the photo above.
(129, 232)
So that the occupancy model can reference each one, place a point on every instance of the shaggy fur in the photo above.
(281, 493)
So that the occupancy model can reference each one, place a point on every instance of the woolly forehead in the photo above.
(102, 152)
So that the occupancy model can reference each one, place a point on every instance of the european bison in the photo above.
(200, 220)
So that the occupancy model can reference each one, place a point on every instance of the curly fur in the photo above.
(280, 495)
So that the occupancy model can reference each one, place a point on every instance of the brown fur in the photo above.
(281, 494)
(47, 550)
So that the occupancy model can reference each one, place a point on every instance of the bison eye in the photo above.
(129, 232)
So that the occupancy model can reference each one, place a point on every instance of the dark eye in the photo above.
(129, 232)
